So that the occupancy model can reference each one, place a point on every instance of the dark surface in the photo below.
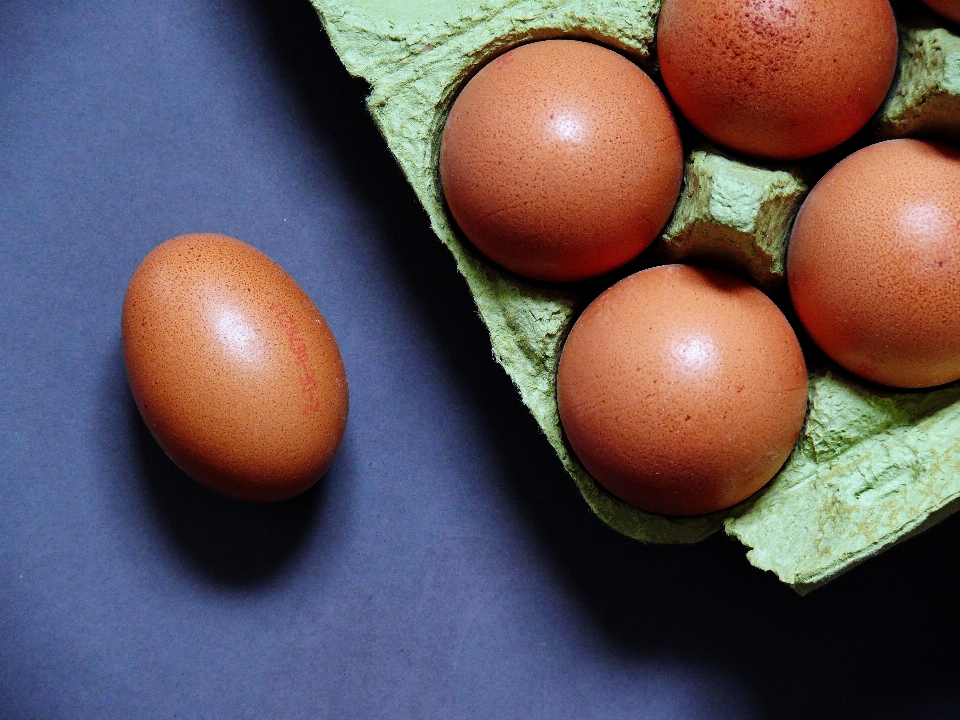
(445, 567)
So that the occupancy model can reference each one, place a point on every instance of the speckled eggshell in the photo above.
(682, 390)
(873, 264)
(561, 160)
(949, 9)
(233, 368)
(777, 79)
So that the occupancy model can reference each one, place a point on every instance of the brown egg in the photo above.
(779, 79)
(561, 160)
(233, 368)
(873, 264)
(949, 9)
(682, 390)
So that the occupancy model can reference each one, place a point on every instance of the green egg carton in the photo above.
(871, 467)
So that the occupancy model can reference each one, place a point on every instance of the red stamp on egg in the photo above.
(306, 376)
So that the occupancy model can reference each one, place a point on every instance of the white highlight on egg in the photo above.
(924, 220)
(568, 127)
(237, 335)
(695, 353)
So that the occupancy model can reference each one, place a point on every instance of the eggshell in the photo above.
(233, 368)
(682, 390)
(949, 9)
(778, 79)
(873, 263)
(561, 160)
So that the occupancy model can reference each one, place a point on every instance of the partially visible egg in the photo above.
(777, 79)
(561, 160)
(949, 9)
(682, 389)
(873, 264)
(233, 368)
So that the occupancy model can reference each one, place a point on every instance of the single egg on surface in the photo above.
(682, 389)
(233, 368)
(777, 79)
(949, 9)
(561, 160)
(873, 264)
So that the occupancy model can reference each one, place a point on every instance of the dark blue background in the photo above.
(445, 567)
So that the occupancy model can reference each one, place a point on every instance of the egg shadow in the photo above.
(875, 643)
(229, 542)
